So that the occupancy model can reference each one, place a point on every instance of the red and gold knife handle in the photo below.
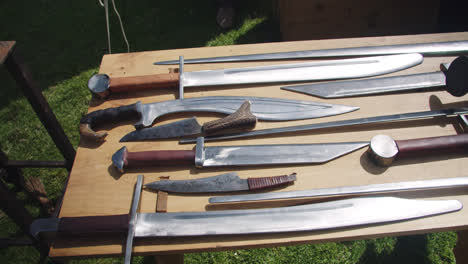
(433, 145)
(116, 224)
(128, 84)
(268, 182)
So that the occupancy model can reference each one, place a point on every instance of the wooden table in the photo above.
(96, 188)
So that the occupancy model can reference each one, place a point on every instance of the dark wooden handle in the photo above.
(434, 145)
(126, 84)
(239, 121)
(269, 182)
(117, 224)
(159, 158)
(107, 116)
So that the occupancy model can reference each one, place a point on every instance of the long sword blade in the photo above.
(341, 89)
(336, 214)
(427, 49)
(347, 190)
(319, 70)
(276, 154)
(342, 123)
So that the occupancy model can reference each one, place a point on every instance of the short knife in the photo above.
(228, 182)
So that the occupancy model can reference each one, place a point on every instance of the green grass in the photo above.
(63, 42)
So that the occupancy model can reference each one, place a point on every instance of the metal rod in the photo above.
(348, 190)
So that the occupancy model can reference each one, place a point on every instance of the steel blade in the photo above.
(263, 108)
(340, 124)
(319, 70)
(427, 49)
(347, 190)
(340, 89)
(336, 214)
(180, 128)
(273, 154)
(221, 183)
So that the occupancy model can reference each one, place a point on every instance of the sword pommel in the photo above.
(98, 84)
(119, 158)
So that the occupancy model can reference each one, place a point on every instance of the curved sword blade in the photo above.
(263, 108)
(336, 214)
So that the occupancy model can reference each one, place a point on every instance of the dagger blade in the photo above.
(227, 182)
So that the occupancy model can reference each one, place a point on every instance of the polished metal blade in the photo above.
(309, 71)
(348, 190)
(221, 183)
(427, 49)
(350, 88)
(264, 108)
(339, 124)
(186, 127)
(274, 154)
(328, 215)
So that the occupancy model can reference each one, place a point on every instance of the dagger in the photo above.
(228, 182)
(263, 108)
(454, 80)
(235, 155)
(342, 123)
(427, 49)
(101, 84)
(310, 217)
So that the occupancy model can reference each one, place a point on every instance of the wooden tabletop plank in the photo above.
(96, 188)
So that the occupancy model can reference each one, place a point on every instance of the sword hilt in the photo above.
(124, 159)
(101, 85)
(107, 116)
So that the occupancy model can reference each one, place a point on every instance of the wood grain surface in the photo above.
(96, 188)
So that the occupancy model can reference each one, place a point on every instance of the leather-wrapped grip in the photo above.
(239, 121)
(109, 116)
(268, 182)
(433, 145)
(84, 225)
(128, 84)
(159, 158)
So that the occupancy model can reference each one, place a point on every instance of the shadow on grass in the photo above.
(59, 39)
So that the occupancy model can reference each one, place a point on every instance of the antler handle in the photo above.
(241, 120)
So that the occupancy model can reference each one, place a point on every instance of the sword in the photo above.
(453, 78)
(102, 84)
(310, 217)
(263, 108)
(235, 155)
(427, 49)
(342, 123)
(382, 188)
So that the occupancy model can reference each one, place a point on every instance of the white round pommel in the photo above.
(383, 150)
